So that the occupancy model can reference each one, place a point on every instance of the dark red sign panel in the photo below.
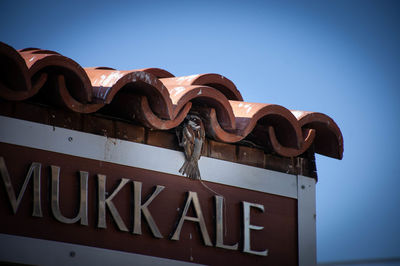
(278, 221)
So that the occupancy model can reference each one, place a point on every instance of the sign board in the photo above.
(91, 197)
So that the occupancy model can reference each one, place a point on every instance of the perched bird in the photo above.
(191, 137)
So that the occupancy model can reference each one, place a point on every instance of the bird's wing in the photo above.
(198, 144)
(188, 141)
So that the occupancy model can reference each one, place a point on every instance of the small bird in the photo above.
(191, 137)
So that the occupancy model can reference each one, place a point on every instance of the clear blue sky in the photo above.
(340, 58)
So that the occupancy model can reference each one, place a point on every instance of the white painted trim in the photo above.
(306, 221)
(71, 142)
(45, 252)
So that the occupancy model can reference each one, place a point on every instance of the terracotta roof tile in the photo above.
(218, 82)
(157, 99)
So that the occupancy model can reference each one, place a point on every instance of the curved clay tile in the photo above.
(281, 127)
(219, 82)
(328, 140)
(203, 95)
(213, 128)
(40, 51)
(158, 72)
(137, 107)
(107, 83)
(15, 81)
(53, 64)
(70, 102)
(287, 151)
(28, 49)
(248, 115)
(102, 68)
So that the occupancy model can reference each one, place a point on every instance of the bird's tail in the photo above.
(191, 170)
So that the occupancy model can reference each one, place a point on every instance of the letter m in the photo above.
(35, 170)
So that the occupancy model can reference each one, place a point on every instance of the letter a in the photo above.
(192, 197)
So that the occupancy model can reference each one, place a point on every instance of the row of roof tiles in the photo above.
(157, 99)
